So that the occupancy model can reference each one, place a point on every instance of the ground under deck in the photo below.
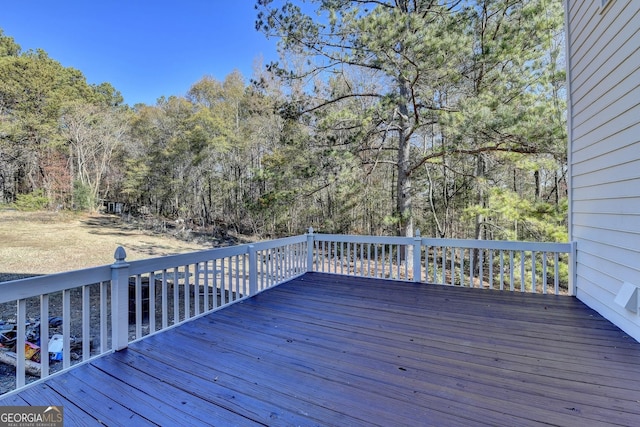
(335, 350)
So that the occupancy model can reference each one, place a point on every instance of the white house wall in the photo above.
(603, 47)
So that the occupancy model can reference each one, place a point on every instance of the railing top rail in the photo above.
(498, 244)
(171, 261)
(270, 244)
(35, 286)
(352, 238)
(458, 243)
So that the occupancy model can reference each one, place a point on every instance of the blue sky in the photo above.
(145, 49)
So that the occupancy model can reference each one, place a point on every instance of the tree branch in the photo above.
(340, 98)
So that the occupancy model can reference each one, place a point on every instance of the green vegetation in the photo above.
(382, 117)
(31, 202)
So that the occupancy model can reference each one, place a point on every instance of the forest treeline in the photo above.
(381, 117)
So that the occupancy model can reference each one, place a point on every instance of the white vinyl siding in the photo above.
(604, 85)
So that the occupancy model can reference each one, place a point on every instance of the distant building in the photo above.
(113, 207)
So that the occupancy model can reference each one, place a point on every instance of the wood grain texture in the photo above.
(333, 350)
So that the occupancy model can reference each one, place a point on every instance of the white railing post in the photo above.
(417, 257)
(572, 287)
(310, 239)
(253, 271)
(120, 300)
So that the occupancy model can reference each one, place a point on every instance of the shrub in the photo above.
(82, 197)
(34, 201)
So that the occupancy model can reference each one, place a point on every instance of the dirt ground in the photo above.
(50, 242)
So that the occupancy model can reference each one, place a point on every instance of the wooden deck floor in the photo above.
(335, 350)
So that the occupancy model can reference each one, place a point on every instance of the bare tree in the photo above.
(93, 135)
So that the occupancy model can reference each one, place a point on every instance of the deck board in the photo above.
(333, 350)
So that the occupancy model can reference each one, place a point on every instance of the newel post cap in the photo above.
(120, 255)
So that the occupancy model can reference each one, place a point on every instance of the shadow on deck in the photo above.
(335, 350)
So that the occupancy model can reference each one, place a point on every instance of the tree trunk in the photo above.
(403, 183)
(479, 219)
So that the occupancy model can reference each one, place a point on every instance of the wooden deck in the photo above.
(335, 350)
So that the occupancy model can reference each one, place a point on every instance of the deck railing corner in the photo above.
(573, 278)
(310, 239)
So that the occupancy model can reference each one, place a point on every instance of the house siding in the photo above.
(603, 54)
(603, 51)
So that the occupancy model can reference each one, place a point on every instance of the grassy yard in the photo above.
(49, 242)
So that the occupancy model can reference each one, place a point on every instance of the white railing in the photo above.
(102, 309)
(516, 266)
